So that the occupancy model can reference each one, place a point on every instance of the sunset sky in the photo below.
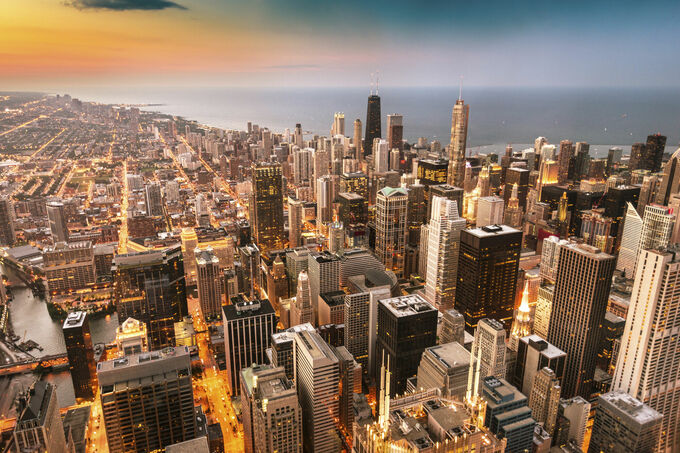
(49, 44)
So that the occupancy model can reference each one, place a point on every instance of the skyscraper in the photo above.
(406, 326)
(69, 267)
(623, 423)
(443, 245)
(209, 282)
(381, 156)
(649, 349)
(80, 354)
(653, 152)
(390, 235)
(150, 286)
(338, 127)
(373, 122)
(131, 338)
(445, 367)
(39, 427)
(267, 206)
(317, 378)
(487, 274)
(153, 199)
(513, 213)
(248, 326)
(324, 200)
(533, 354)
(584, 276)
(357, 142)
(296, 218)
(670, 183)
(6, 221)
(156, 388)
(489, 211)
(630, 241)
(565, 156)
(272, 417)
(487, 355)
(544, 398)
(302, 310)
(395, 131)
(459, 126)
(324, 276)
(521, 324)
(56, 215)
(657, 227)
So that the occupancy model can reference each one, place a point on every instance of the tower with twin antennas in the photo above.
(459, 126)
(373, 120)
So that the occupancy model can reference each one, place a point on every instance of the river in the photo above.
(29, 316)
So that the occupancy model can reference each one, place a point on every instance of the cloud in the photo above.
(125, 5)
(295, 66)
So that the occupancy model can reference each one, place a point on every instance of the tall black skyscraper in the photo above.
(266, 210)
(487, 274)
(80, 354)
(653, 154)
(406, 326)
(150, 287)
(373, 126)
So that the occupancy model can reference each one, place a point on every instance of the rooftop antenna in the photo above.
(371, 92)
(460, 89)
(377, 83)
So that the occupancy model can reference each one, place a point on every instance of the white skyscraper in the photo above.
(302, 310)
(316, 378)
(630, 241)
(296, 214)
(648, 365)
(442, 254)
(489, 211)
(487, 357)
(381, 156)
(657, 227)
(303, 165)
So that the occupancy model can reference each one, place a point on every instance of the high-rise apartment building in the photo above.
(487, 274)
(150, 287)
(80, 354)
(459, 126)
(406, 326)
(248, 327)
(565, 157)
(357, 142)
(373, 122)
(395, 131)
(147, 400)
(390, 234)
(584, 276)
(622, 423)
(317, 382)
(444, 232)
(381, 156)
(56, 214)
(653, 152)
(296, 218)
(7, 217)
(69, 267)
(153, 199)
(209, 283)
(649, 353)
(38, 426)
(272, 417)
(266, 210)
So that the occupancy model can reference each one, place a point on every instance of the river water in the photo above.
(29, 316)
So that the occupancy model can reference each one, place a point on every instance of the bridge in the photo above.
(49, 362)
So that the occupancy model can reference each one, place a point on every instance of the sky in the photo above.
(56, 44)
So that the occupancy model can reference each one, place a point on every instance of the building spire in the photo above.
(377, 83)
(460, 89)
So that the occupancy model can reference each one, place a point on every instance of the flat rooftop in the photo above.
(412, 304)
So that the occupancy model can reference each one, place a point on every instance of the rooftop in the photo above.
(632, 408)
(412, 304)
(547, 349)
(492, 230)
(75, 319)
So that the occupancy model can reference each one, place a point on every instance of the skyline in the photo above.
(57, 45)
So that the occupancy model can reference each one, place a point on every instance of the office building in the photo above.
(131, 338)
(266, 210)
(534, 354)
(271, 414)
(249, 273)
(565, 157)
(657, 227)
(153, 199)
(487, 274)
(572, 420)
(38, 426)
(324, 200)
(56, 214)
(520, 177)
(302, 310)
(670, 183)
(487, 356)
(445, 191)
(209, 283)
(443, 245)
(431, 172)
(317, 382)
(623, 423)
(406, 326)
(156, 388)
(7, 217)
(349, 375)
(630, 241)
(373, 122)
(381, 156)
(507, 414)
(296, 220)
(652, 154)
(453, 327)
(584, 276)
(513, 213)
(361, 317)
(390, 234)
(395, 131)
(357, 142)
(445, 367)
(150, 287)
(324, 276)
(303, 166)
(544, 398)
(649, 351)
(69, 267)
(248, 326)
(459, 126)
(80, 354)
